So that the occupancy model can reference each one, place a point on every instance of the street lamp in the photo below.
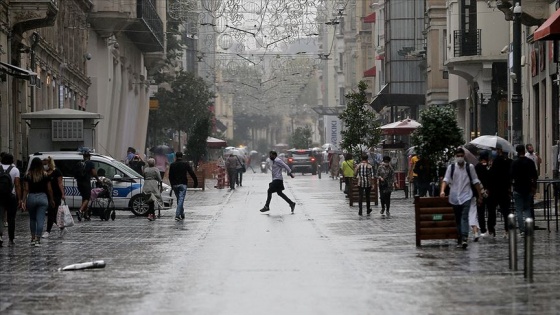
(516, 96)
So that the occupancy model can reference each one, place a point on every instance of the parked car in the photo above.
(127, 184)
(302, 161)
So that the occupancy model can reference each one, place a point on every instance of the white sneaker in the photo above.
(45, 235)
(62, 233)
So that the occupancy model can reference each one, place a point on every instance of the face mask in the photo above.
(460, 159)
(272, 158)
(386, 163)
(46, 167)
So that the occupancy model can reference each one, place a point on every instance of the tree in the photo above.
(186, 106)
(361, 128)
(438, 136)
(196, 144)
(301, 137)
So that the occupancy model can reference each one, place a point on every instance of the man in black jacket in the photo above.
(499, 188)
(483, 172)
(524, 176)
(178, 179)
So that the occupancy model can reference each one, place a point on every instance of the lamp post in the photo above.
(516, 96)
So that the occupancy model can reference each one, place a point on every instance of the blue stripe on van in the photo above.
(117, 192)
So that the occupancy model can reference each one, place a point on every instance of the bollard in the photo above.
(529, 240)
(512, 242)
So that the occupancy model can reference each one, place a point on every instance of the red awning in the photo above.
(370, 18)
(370, 72)
(550, 29)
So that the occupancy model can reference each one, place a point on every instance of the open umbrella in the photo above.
(492, 142)
(215, 143)
(161, 149)
(403, 127)
(469, 156)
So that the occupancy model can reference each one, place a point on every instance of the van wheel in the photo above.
(139, 205)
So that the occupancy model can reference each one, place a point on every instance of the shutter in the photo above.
(67, 130)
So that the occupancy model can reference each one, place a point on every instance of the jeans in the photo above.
(522, 208)
(180, 192)
(462, 220)
(8, 204)
(37, 204)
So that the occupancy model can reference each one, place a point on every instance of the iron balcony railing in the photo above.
(467, 44)
(146, 11)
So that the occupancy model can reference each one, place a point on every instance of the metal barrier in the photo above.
(529, 240)
(512, 242)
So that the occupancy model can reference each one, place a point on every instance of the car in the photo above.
(302, 161)
(127, 183)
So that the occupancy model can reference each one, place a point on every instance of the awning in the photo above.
(329, 111)
(215, 143)
(550, 29)
(220, 125)
(370, 18)
(17, 71)
(372, 72)
(384, 98)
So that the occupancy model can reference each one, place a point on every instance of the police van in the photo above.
(127, 184)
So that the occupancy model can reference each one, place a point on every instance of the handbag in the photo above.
(243, 169)
(68, 220)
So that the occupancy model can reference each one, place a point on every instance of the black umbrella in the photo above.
(161, 149)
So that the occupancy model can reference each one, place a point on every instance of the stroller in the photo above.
(102, 200)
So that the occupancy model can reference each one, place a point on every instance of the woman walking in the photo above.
(152, 184)
(37, 197)
(348, 172)
(386, 176)
(55, 178)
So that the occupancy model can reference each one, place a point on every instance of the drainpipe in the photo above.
(35, 41)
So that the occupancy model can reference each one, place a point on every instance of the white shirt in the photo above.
(534, 158)
(13, 174)
(460, 186)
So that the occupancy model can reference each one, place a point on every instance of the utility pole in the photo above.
(516, 96)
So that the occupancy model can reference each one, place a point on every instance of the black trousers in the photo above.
(276, 186)
(481, 214)
(9, 204)
(367, 192)
(51, 214)
(504, 202)
(385, 200)
(232, 177)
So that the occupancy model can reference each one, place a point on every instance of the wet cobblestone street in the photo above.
(228, 258)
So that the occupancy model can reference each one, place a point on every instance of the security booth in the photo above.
(60, 129)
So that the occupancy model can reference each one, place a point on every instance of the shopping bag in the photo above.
(68, 220)
(60, 216)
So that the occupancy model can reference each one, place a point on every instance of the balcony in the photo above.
(467, 44)
(30, 14)
(138, 19)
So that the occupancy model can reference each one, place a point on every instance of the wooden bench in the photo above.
(435, 219)
(201, 177)
(354, 192)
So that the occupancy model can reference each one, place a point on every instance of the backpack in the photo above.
(6, 183)
(79, 170)
(473, 187)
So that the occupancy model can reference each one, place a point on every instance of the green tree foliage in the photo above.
(438, 136)
(196, 144)
(361, 128)
(186, 106)
(301, 138)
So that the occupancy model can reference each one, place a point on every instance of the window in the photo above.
(110, 171)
